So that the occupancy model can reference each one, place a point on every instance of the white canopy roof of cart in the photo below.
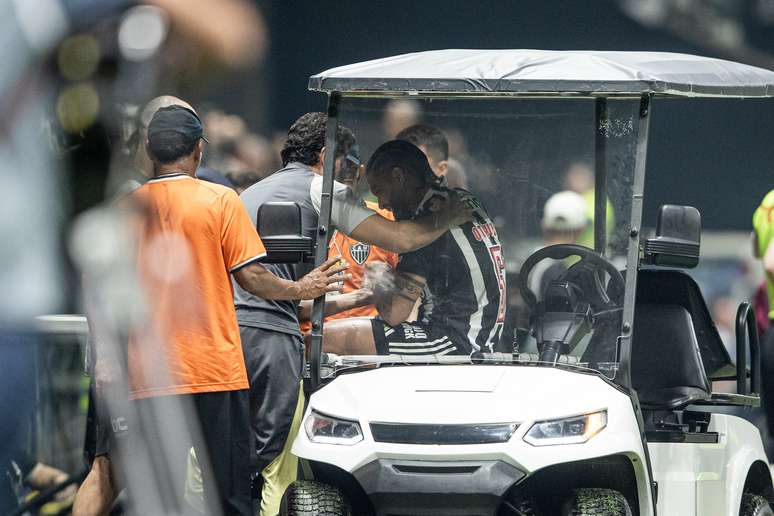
(549, 71)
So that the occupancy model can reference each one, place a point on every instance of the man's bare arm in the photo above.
(395, 302)
(337, 304)
(261, 283)
(400, 236)
(404, 236)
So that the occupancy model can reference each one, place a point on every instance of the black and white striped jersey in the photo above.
(465, 274)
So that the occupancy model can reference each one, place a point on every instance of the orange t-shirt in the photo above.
(192, 236)
(357, 254)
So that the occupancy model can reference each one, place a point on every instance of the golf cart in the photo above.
(598, 399)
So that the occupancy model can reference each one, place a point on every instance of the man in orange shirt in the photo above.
(193, 236)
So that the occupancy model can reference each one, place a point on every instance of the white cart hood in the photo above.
(467, 394)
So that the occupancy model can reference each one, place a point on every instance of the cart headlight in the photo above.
(330, 430)
(570, 430)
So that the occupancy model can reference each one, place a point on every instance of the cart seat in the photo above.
(667, 369)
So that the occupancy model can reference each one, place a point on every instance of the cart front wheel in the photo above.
(755, 505)
(596, 502)
(310, 498)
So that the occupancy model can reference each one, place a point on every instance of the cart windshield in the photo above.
(532, 167)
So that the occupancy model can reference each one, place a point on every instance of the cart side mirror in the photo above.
(279, 224)
(678, 238)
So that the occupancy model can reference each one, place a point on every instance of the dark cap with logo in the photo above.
(173, 120)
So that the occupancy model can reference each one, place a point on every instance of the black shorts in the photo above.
(105, 422)
(415, 339)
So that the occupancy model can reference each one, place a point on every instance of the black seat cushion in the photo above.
(667, 369)
(657, 286)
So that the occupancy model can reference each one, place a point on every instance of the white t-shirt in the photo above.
(347, 210)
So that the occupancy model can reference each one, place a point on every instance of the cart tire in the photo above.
(596, 502)
(310, 498)
(755, 505)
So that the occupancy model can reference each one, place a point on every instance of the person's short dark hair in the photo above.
(404, 155)
(173, 147)
(431, 138)
(173, 133)
(306, 138)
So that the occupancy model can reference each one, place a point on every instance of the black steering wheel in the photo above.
(590, 261)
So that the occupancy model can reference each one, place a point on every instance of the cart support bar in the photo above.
(323, 233)
(600, 175)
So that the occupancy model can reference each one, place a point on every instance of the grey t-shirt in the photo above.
(297, 183)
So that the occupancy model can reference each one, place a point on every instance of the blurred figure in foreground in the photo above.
(106, 363)
(193, 236)
(34, 202)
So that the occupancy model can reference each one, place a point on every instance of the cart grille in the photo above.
(442, 434)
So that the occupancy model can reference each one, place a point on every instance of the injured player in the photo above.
(460, 278)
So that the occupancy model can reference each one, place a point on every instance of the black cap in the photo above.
(175, 119)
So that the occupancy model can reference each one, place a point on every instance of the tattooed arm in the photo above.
(337, 304)
(396, 298)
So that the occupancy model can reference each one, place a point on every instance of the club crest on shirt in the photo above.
(360, 252)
